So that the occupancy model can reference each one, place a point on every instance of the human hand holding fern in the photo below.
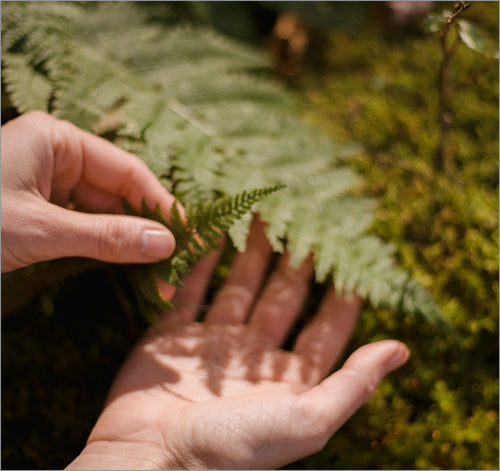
(197, 231)
(222, 393)
(50, 165)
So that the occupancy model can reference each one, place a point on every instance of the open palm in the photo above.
(222, 393)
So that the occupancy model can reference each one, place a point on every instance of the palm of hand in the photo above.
(219, 361)
(208, 383)
(222, 393)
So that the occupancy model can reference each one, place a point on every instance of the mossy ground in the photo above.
(376, 87)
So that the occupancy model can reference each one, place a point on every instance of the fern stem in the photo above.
(185, 113)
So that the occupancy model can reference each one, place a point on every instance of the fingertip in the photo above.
(399, 356)
(157, 244)
(166, 290)
(383, 356)
(338, 396)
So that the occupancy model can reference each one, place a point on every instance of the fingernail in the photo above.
(398, 358)
(157, 244)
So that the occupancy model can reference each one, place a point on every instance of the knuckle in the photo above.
(128, 181)
(232, 303)
(238, 294)
(34, 123)
(366, 384)
(114, 239)
(64, 140)
(36, 115)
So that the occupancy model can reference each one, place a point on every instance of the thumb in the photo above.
(110, 238)
(345, 391)
(270, 430)
(322, 410)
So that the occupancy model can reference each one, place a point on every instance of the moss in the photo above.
(438, 411)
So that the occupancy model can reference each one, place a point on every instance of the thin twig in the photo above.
(444, 113)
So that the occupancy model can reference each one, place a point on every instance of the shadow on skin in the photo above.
(195, 361)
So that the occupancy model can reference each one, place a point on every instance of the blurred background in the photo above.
(420, 100)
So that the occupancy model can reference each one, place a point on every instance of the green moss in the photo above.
(441, 409)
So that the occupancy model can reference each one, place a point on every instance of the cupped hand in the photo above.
(222, 393)
(51, 166)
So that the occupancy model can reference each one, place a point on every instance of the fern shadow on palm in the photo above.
(221, 392)
(239, 338)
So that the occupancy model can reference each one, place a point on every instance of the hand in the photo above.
(49, 166)
(222, 393)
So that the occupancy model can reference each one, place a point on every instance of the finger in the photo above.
(234, 300)
(118, 239)
(324, 408)
(104, 166)
(92, 200)
(166, 290)
(324, 338)
(188, 300)
(282, 298)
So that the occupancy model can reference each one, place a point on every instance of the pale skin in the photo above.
(49, 166)
(206, 387)
(221, 393)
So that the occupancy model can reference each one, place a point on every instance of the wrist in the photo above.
(119, 455)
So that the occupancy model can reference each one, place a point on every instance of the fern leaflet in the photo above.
(196, 235)
(186, 101)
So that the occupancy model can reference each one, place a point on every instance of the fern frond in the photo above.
(195, 237)
(185, 101)
(149, 299)
(28, 89)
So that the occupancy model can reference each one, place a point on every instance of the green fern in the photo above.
(187, 102)
(196, 235)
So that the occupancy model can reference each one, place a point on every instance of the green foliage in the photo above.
(441, 410)
(470, 34)
(196, 235)
(378, 88)
(184, 101)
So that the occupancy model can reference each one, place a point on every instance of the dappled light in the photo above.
(364, 134)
